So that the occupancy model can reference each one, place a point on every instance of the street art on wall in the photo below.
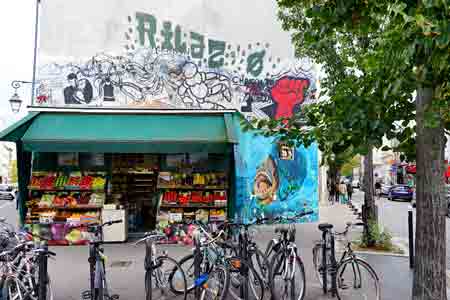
(166, 68)
(270, 185)
(129, 59)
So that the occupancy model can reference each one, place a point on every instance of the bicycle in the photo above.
(350, 275)
(242, 262)
(287, 267)
(97, 273)
(206, 269)
(24, 272)
(157, 285)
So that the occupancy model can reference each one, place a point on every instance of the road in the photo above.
(393, 215)
(8, 211)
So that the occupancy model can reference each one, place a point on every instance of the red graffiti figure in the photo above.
(286, 93)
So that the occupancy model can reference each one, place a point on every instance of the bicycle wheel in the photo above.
(319, 267)
(99, 281)
(11, 289)
(217, 285)
(287, 279)
(357, 280)
(187, 265)
(253, 283)
(168, 280)
(261, 265)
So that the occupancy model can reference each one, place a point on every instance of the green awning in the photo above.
(129, 133)
(15, 132)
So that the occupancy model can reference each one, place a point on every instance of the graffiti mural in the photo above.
(166, 66)
(272, 182)
(172, 80)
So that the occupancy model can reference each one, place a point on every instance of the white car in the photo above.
(385, 188)
(7, 192)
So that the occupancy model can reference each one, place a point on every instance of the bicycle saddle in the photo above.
(281, 229)
(325, 226)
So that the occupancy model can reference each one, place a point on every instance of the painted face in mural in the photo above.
(265, 185)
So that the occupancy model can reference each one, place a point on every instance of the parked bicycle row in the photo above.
(225, 263)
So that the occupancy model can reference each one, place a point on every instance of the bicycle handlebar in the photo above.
(259, 221)
(109, 223)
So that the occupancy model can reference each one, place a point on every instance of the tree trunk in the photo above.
(430, 261)
(369, 216)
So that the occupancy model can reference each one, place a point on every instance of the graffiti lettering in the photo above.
(167, 34)
(180, 46)
(216, 54)
(146, 28)
(252, 61)
(197, 45)
(255, 63)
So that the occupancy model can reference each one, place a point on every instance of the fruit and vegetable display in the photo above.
(73, 181)
(61, 234)
(69, 199)
(177, 224)
(171, 179)
(61, 204)
(194, 198)
(53, 216)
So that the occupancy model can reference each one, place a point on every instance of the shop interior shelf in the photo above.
(143, 180)
(192, 206)
(188, 187)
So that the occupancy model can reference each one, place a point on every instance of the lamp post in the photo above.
(15, 101)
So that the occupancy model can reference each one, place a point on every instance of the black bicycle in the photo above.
(287, 276)
(351, 277)
(97, 273)
(249, 268)
(164, 278)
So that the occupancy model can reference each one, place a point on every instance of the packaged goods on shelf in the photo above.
(176, 215)
(217, 215)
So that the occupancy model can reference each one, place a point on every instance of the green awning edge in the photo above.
(16, 131)
(230, 127)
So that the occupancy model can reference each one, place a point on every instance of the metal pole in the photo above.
(43, 278)
(197, 264)
(36, 29)
(411, 237)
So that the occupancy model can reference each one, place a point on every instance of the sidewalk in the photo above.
(125, 269)
(393, 271)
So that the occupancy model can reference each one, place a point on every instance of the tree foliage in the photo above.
(13, 171)
(375, 55)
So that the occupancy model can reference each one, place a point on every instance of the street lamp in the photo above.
(15, 100)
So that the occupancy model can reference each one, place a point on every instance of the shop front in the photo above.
(166, 168)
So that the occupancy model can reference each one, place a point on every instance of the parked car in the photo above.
(401, 192)
(7, 192)
(356, 184)
(385, 188)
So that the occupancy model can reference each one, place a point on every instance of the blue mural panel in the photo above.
(268, 184)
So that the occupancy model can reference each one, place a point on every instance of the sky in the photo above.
(16, 56)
